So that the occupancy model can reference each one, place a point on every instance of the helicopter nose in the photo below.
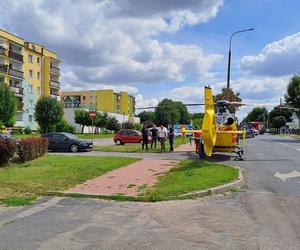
(230, 121)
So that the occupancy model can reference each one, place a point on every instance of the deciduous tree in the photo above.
(48, 113)
(233, 97)
(8, 106)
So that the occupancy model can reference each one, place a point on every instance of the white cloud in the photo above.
(141, 102)
(113, 42)
(276, 59)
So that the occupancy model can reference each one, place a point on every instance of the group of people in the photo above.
(160, 134)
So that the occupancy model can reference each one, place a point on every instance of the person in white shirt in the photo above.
(162, 134)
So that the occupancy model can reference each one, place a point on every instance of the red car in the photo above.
(128, 136)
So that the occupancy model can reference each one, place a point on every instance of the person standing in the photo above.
(162, 136)
(145, 137)
(154, 136)
(171, 137)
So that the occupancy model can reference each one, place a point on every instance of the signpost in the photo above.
(92, 115)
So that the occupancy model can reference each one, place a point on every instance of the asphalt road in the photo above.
(265, 216)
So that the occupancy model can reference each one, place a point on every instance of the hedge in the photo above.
(7, 150)
(32, 148)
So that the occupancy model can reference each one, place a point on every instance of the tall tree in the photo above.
(8, 106)
(233, 97)
(259, 114)
(286, 113)
(82, 118)
(278, 122)
(292, 96)
(168, 111)
(101, 120)
(147, 116)
(48, 113)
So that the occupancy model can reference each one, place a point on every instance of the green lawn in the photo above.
(21, 183)
(27, 136)
(95, 136)
(189, 175)
(136, 148)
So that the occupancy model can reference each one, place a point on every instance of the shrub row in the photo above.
(26, 149)
(7, 150)
(32, 148)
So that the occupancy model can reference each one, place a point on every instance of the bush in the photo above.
(127, 125)
(32, 148)
(7, 151)
(64, 126)
(137, 126)
(27, 131)
(17, 131)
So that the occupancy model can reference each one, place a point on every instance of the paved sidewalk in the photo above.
(127, 180)
(187, 147)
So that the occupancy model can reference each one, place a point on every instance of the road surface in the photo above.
(265, 216)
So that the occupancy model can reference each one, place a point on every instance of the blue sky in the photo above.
(157, 49)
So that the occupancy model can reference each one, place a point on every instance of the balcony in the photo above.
(3, 68)
(16, 73)
(54, 70)
(17, 90)
(15, 56)
(3, 52)
(54, 84)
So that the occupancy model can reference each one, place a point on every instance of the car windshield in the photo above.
(71, 136)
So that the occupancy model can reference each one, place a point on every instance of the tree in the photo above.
(292, 96)
(65, 126)
(147, 116)
(82, 118)
(168, 111)
(8, 106)
(127, 125)
(48, 113)
(258, 114)
(113, 124)
(279, 121)
(286, 113)
(101, 120)
(233, 97)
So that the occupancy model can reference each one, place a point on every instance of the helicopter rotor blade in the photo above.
(262, 105)
(188, 105)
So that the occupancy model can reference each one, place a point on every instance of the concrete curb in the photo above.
(217, 190)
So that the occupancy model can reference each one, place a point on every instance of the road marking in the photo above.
(260, 154)
(298, 149)
(286, 176)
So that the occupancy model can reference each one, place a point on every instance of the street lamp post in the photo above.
(229, 58)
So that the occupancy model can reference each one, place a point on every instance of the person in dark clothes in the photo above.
(154, 136)
(171, 137)
(145, 137)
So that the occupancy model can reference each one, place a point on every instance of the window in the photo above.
(38, 60)
(31, 73)
(83, 98)
(38, 75)
(124, 132)
(39, 90)
(30, 103)
(30, 58)
(30, 88)
(30, 118)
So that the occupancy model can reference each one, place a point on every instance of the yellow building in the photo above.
(31, 70)
(102, 100)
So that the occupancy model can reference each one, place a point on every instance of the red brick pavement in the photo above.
(126, 180)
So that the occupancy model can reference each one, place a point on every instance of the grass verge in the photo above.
(136, 148)
(22, 183)
(94, 136)
(188, 176)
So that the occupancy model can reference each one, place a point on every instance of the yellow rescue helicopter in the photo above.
(219, 131)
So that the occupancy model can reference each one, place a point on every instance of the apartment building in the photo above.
(31, 70)
(102, 100)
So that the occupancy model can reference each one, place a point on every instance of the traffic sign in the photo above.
(92, 114)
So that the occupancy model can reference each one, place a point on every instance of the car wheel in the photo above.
(74, 148)
(118, 142)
